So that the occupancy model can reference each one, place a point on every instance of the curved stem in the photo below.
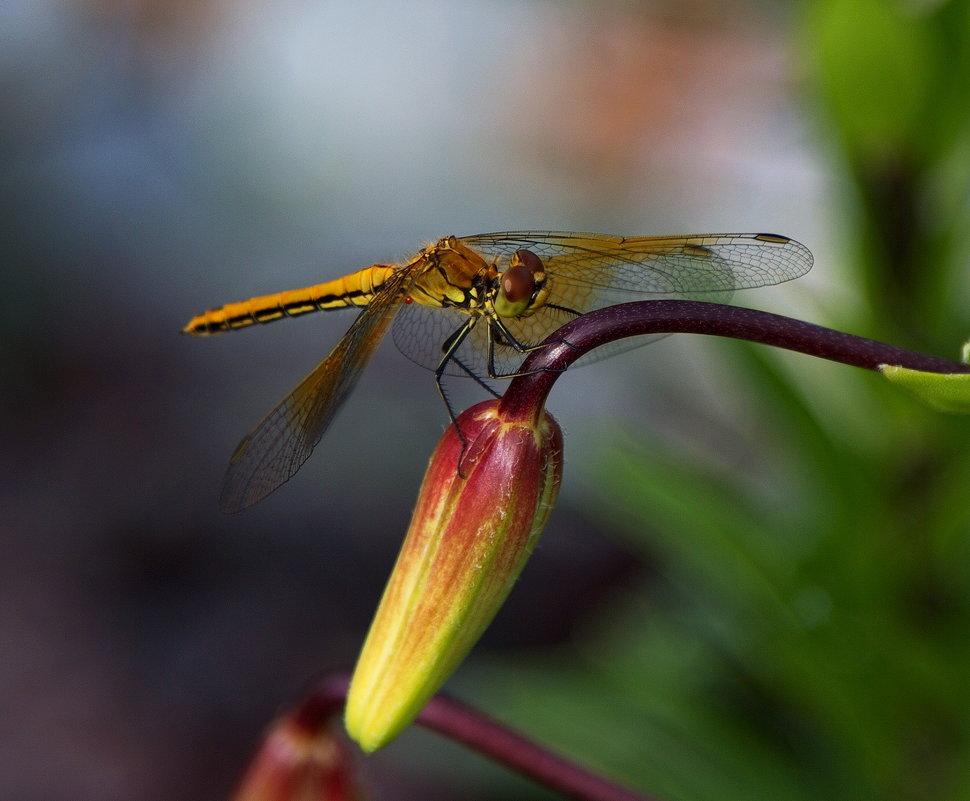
(486, 736)
(544, 365)
(466, 725)
(323, 702)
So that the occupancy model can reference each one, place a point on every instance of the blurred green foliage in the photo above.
(804, 630)
(893, 78)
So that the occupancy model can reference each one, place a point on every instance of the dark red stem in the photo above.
(543, 366)
(468, 726)
(464, 724)
(325, 700)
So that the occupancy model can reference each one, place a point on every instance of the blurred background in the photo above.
(757, 581)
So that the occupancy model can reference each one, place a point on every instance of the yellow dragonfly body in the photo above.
(473, 306)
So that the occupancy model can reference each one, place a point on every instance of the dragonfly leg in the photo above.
(449, 349)
(454, 420)
(565, 310)
(507, 338)
(476, 377)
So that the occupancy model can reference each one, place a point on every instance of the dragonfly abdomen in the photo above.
(355, 289)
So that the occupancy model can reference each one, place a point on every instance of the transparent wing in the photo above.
(591, 271)
(660, 266)
(272, 453)
(421, 332)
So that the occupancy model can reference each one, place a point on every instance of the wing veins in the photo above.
(282, 441)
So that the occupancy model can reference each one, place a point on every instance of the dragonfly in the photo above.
(473, 306)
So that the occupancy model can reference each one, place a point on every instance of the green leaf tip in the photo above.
(948, 392)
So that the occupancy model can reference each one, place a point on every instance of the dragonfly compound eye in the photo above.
(527, 259)
(518, 284)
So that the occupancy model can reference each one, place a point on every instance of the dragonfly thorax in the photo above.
(454, 276)
(450, 275)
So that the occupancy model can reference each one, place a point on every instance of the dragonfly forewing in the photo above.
(671, 266)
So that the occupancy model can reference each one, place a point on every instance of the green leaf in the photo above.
(948, 392)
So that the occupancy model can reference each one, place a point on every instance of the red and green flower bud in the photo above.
(469, 538)
(301, 760)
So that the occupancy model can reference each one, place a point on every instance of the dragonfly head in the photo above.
(520, 284)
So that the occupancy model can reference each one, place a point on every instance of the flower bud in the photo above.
(472, 530)
(301, 760)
